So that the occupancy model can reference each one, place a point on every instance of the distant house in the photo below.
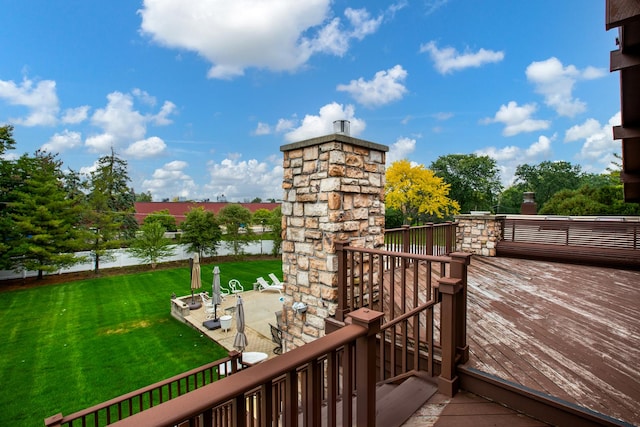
(179, 209)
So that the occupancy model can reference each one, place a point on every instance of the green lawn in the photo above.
(70, 346)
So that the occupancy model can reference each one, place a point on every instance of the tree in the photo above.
(511, 199)
(163, 217)
(261, 217)
(151, 245)
(144, 197)
(589, 200)
(416, 191)
(474, 180)
(275, 223)
(7, 182)
(6, 139)
(547, 178)
(44, 217)
(392, 218)
(111, 201)
(201, 231)
(236, 219)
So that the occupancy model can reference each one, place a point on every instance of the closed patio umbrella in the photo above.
(196, 281)
(216, 299)
(240, 341)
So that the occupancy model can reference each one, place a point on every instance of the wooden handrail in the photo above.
(92, 414)
(235, 386)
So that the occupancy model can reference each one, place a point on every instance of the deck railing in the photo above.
(391, 299)
(137, 401)
(428, 239)
(407, 288)
(317, 382)
(594, 241)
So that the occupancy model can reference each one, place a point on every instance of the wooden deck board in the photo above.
(569, 331)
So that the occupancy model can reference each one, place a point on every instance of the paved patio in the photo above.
(259, 312)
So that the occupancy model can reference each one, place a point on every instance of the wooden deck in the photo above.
(570, 331)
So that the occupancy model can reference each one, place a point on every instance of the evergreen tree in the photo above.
(111, 201)
(44, 217)
(7, 183)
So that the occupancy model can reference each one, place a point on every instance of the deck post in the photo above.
(450, 290)
(459, 263)
(366, 365)
(406, 238)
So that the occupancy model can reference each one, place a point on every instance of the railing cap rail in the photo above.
(196, 402)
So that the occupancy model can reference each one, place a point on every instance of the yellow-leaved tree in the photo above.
(416, 191)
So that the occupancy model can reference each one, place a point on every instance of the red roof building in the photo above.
(179, 209)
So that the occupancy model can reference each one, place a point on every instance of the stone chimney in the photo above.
(333, 190)
(529, 205)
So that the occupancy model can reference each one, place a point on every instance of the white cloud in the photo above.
(448, 59)
(170, 181)
(39, 98)
(508, 158)
(262, 129)
(322, 124)
(240, 180)
(401, 149)
(556, 82)
(586, 129)
(598, 146)
(162, 118)
(60, 142)
(101, 143)
(362, 23)
(75, 115)
(150, 147)
(517, 119)
(273, 34)
(121, 123)
(386, 86)
(119, 119)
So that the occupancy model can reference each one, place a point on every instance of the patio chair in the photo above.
(235, 287)
(275, 280)
(207, 303)
(276, 337)
(263, 285)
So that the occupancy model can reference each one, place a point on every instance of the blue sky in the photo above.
(198, 96)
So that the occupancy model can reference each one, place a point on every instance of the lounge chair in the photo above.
(263, 285)
(275, 280)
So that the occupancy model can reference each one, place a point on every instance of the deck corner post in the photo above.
(450, 290)
(459, 264)
(366, 366)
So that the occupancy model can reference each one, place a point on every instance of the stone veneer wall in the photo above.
(333, 190)
(479, 234)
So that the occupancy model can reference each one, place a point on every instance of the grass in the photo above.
(69, 346)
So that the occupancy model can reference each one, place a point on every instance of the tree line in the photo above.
(460, 183)
(48, 215)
